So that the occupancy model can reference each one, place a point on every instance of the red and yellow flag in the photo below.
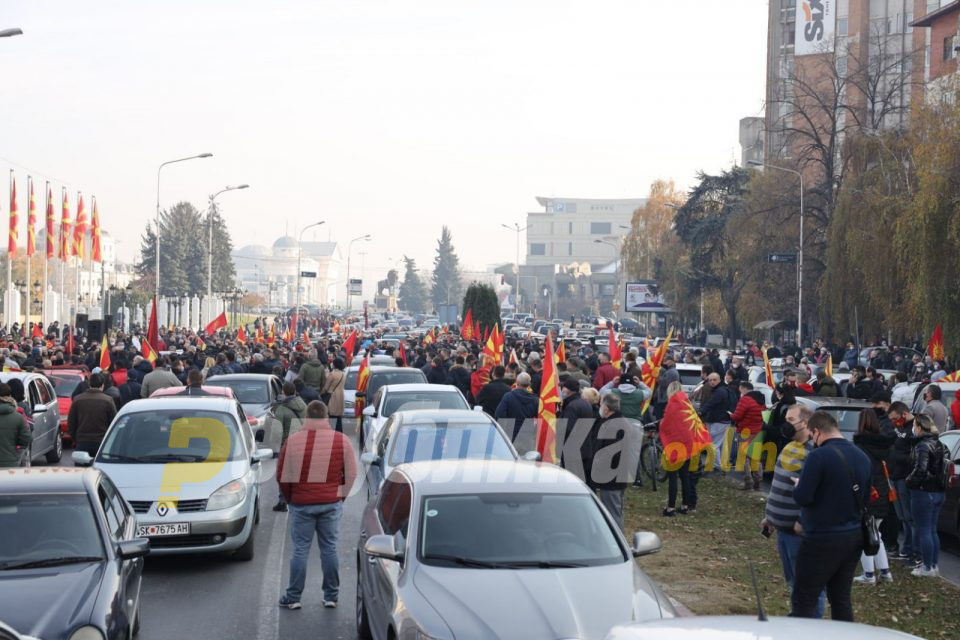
(935, 347)
(79, 229)
(614, 348)
(65, 227)
(547, 412)
(952, 377)
(271, 337)
(349, 347)
(428, 337)
(241, 335)
(492, 346)
(218, 323)
(466, 331)
(767, 368)
(14, 219)
(562, 352)
(51, 226)
(306, 338)
(363, 377)
(153, 329)
(259, 337)
(31, 219)
(402, 352)
(683, 431)
(651, 370)
(36, 332)
(104, 354)
(95, 253)
(827, 367)
(201, 344)
(148, 353)
(476, 330)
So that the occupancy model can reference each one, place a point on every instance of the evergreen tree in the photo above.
(482, 300)
(446, 287)
(413, 292)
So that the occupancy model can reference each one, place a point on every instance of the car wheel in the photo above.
(245, 553)
(53, 456)
(363, 623)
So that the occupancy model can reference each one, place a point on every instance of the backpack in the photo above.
(945, 472)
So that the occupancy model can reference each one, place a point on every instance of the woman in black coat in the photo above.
(878, 447)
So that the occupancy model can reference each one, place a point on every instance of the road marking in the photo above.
(268, 622)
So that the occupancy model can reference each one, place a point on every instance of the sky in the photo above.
(387, 117)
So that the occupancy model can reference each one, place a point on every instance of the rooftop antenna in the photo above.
(761, 614)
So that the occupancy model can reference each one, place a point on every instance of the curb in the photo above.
(682, 611)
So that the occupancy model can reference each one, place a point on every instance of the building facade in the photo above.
(271, 273)
(943, 28)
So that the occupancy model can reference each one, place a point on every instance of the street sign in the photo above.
(782, 257)
(355, 288)
(308, 274)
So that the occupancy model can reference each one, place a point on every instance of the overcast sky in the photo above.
(388, 117)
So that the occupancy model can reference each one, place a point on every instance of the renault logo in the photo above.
(162, 509)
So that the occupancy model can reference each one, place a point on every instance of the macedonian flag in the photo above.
(548, 409)
(682, 432)
(935, 347)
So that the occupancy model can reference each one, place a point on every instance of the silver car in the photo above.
(750, 628)
(497, 549)
(43, 414)
(213, 504)
(391, 398)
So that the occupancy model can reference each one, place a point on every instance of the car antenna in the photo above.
(761, 614)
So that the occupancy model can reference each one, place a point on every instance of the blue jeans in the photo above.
(925, 507)
(787, 545)
(902, 507)
(324, 519)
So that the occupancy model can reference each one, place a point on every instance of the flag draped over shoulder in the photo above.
(935, 347)
(548, 408)
(682, 432)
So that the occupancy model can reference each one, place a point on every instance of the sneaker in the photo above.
(922, 572)
(886, 576)
(330, 604)
(867, 578)
(682, 511)
(287, 602)
(669, 512)
(899, 555)
(280, 506)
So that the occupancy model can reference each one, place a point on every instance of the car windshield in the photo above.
(443, 441)
(34, 529)
(65, 385)
(350, 384)
(246, 391)
(516, 530)
(848, 419)
(413, 400)
(690, 378)
(175, 435)
(400, 376)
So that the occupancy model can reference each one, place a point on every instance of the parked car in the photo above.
(257, 392)
(381, 376)
(950, 514)
(207, 515)
(438, 434)
(689, 376)
(350, 383)
(497, 549)
(65, 382)
(43, 415)
(750, 628)
(391, 398)
(907, 352)
(71, 559)
(846, 411)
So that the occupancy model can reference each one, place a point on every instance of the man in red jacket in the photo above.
(605, 372)
(748, 416)
(316, 471)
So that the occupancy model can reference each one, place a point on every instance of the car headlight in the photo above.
(229, 495)
(87, 633)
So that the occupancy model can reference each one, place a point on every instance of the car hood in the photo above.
(46, 603)
(255, 409)
(142, 481)
(543, 603)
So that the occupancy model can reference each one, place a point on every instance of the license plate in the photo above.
(157, 530)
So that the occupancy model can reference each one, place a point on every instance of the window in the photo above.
(600, 228)
(842, 26)
(570, 227)
(538, 249)
(569, 248)
(393, 508)
(948, 52)
(114, 519)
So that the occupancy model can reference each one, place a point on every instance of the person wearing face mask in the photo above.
(782, 513)
(900, 468)
(739, 371)
(877, 444)
(608, 478)
(833, 484)
(576, 413)
(926, 501)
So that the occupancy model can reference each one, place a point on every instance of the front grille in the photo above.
(183, 506)
(174, 542)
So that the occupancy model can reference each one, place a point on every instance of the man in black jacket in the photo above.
(604, 464)
(459, 376)
(492, 393)
(716, 414)
(576, 420)
(91, 412)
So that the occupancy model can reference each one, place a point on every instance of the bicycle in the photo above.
(651, 456)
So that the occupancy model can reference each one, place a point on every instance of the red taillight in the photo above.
(954, 479)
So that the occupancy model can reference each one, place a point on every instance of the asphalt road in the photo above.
(217, 597)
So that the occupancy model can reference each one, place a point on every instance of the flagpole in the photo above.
(46, 260)
(9, 297)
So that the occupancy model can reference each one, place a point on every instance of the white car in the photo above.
(350, 384)
(751, 628)
(391, 398)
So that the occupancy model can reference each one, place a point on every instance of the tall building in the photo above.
(943, 43)
(751, 140)
(567, 230)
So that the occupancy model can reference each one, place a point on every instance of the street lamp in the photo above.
(6, 33)
(800, 253)
(210, 241)
(518, 229)
(299, 254)
(349, 249)
(162, 165)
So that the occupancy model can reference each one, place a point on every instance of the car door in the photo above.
(121, 525)
(376, 472)
(49, 398)
(43, 433)
(390, 517)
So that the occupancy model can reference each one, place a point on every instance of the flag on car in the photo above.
(935, 347)
(547, 410)
(217, 323)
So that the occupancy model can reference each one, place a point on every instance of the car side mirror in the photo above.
(82, 458)
(135, 548)
(370, 458)
(39, 408)
(383, 546)
(645, 543)
(370, 412)
(261, 454)
(532, 456)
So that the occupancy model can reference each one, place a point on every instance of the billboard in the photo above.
(816, 20)
(644, 296)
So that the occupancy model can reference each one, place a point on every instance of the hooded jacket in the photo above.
(632, 399)
(14, 433)
(313, 374)
(316, 465)
(827, 387)
(749, 413)
(879, 448)
(288, 410)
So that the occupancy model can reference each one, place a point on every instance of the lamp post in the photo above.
(800, 253)
(210, 241)
(159, 169)
(299, 254)
(349, 249)
(518, 229)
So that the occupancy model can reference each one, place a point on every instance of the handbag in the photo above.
(868, 524)
(325, 397)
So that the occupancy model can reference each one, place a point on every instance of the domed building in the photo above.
(272, 272)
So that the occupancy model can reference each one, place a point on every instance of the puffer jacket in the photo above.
(879, 448)
(927, 458)
(748, 415)
(14, 433)
(288, 410)
(313, 374)
(323, 457)
(632, 399)
(827, 387)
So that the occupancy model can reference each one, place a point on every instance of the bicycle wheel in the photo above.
(649, 460)
(659, 469)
